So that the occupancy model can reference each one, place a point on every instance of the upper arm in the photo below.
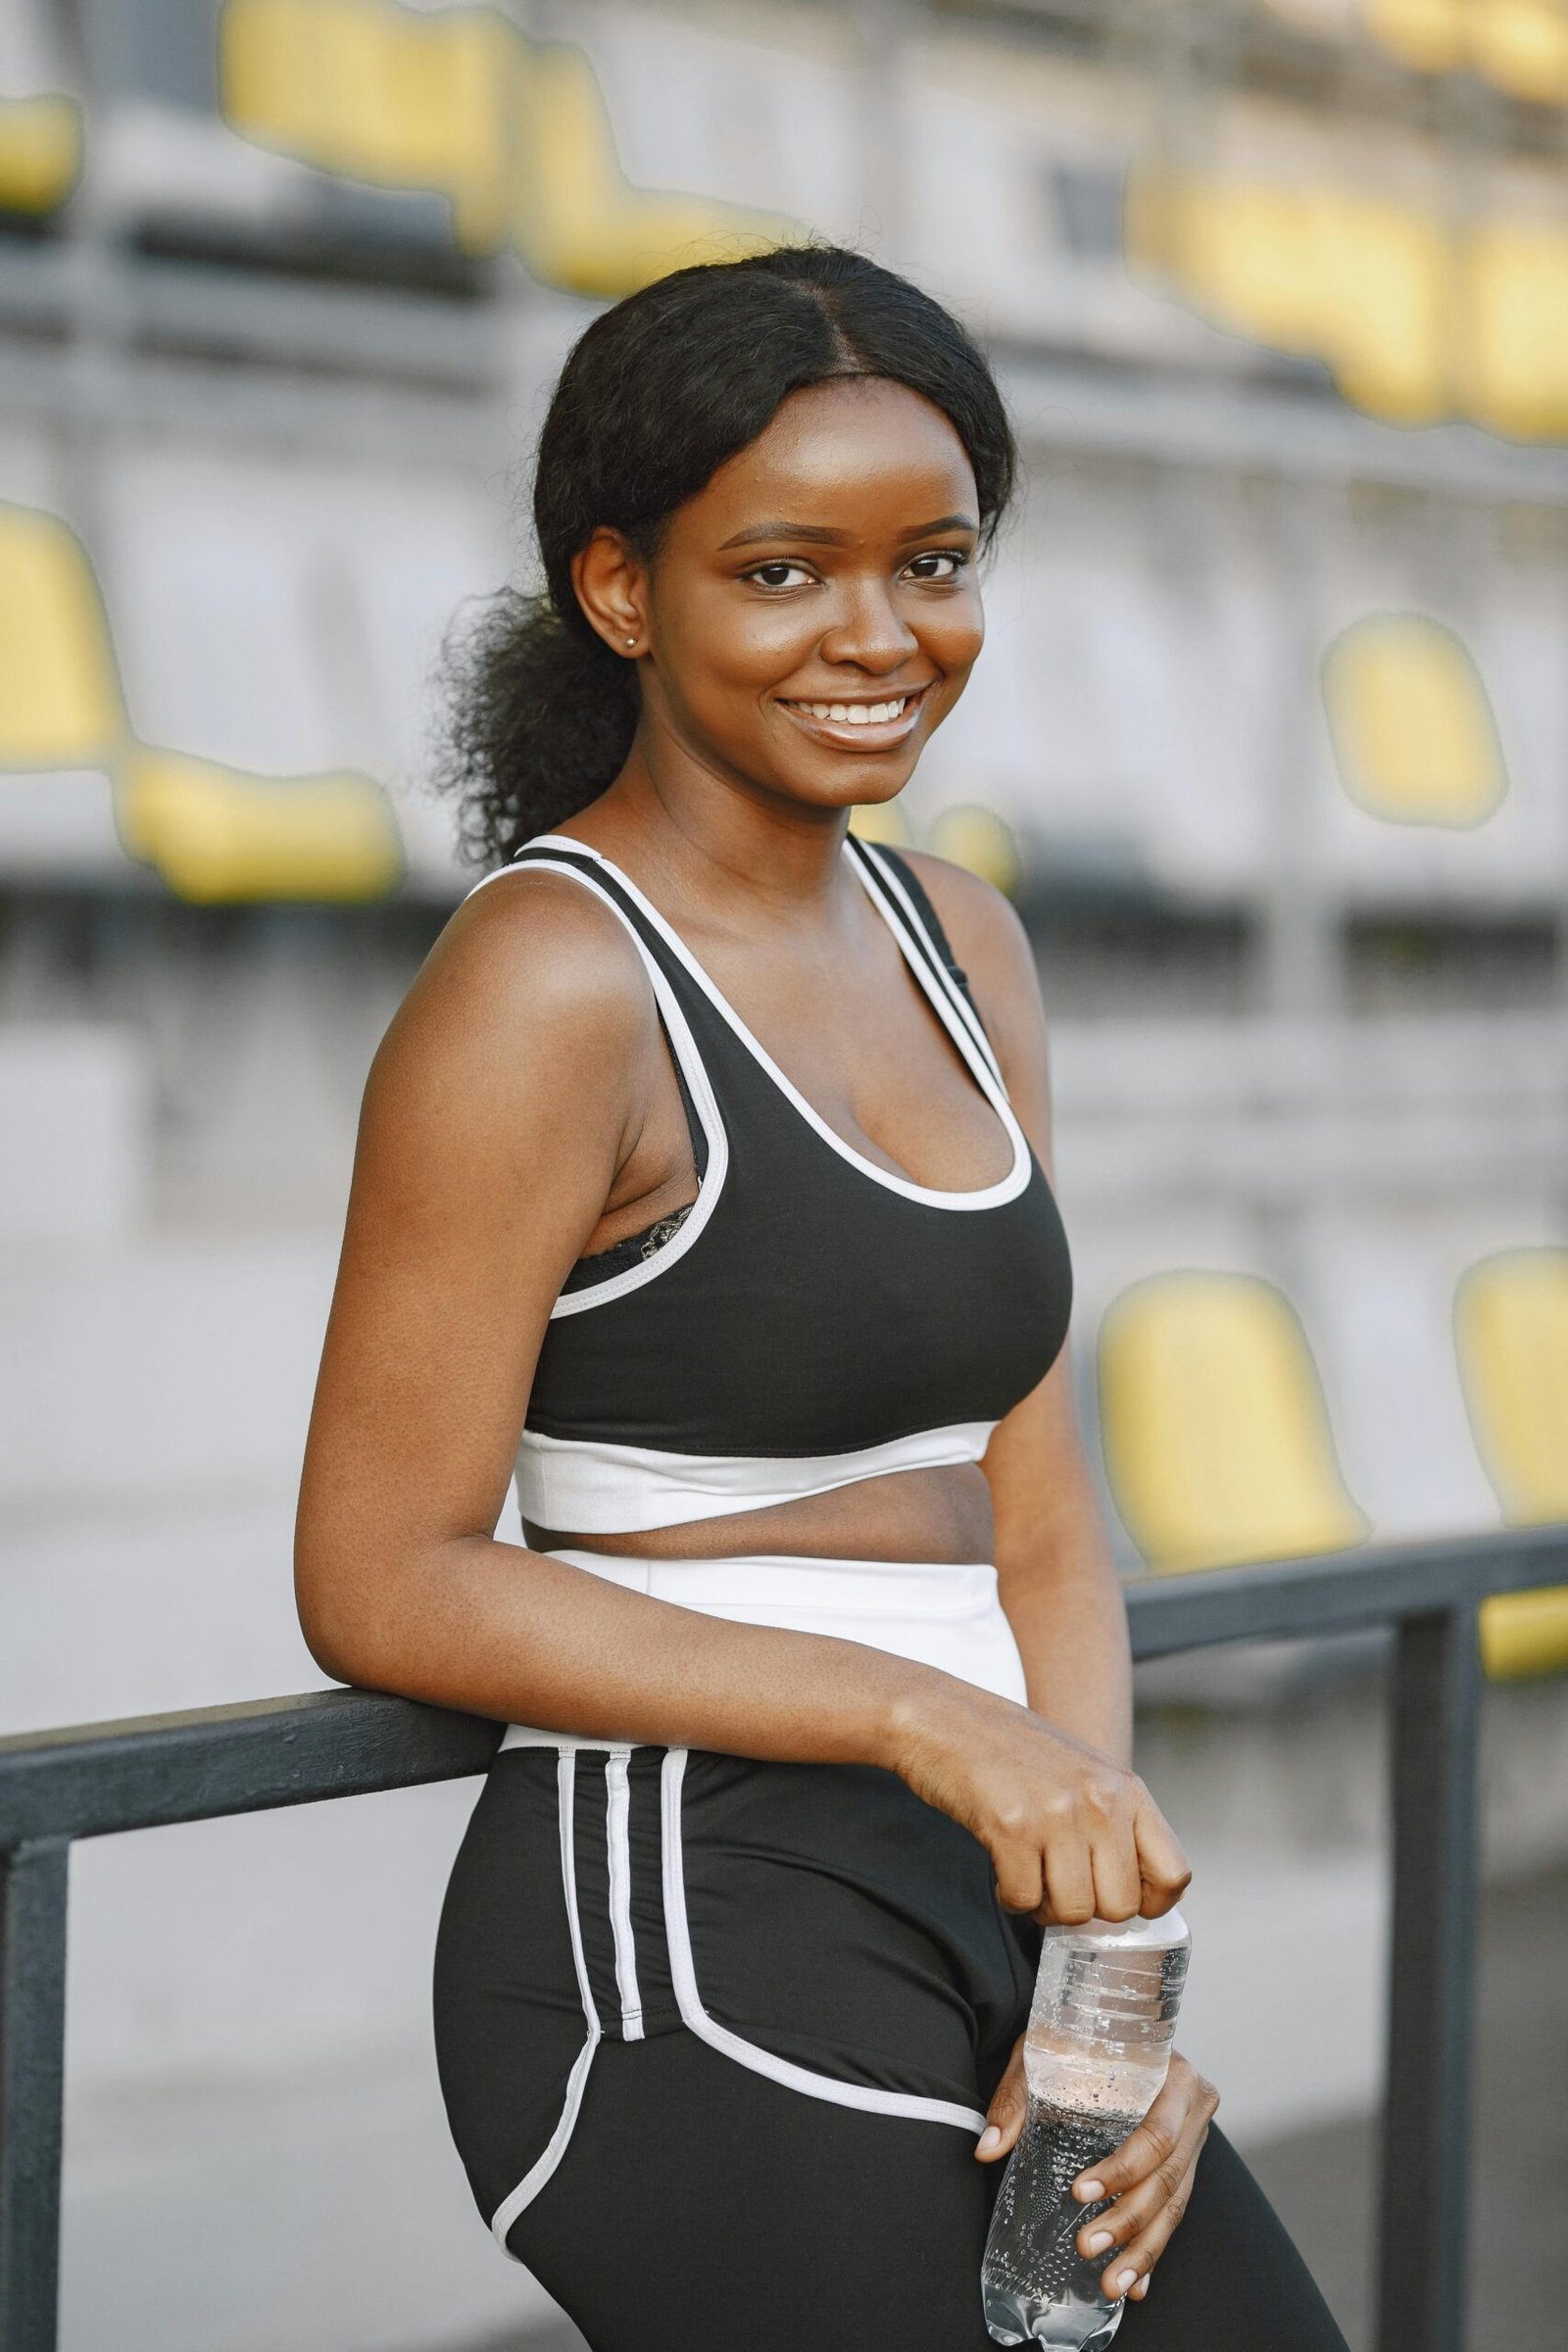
(500, 1107)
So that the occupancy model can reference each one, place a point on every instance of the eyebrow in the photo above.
(817, 534)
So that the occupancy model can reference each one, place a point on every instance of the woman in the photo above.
(697, 1180)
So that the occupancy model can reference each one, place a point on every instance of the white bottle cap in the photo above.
(1127, 1935)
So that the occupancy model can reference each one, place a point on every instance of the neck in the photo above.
(731, 848)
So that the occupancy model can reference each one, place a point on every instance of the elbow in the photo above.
(332, 1652)
(335, 1626)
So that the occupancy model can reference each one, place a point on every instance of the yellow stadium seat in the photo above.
(1216, 1438)
(517, 137)
(1522, 46)
(1365, 284)
(59, 699)
(882, 820)
(381, 93)
(979, 839)
(1387, 272)
(579, 223)
(1411, 725)
(218, 836)
(1515, 358)
(1510, 1321)
(1241, 250)
(1428, 34)
(40, 153)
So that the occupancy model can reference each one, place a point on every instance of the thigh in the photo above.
(1230, 2280)
(706, 2208)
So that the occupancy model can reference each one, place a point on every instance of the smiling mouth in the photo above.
(892, 713)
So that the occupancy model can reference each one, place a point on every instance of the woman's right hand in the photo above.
(1071, 1834)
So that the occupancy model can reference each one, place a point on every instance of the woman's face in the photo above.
(814, 613)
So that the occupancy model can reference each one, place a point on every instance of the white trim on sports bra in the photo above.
(992, 1196)
(914, 923)
(693, 1069)
(592, 1487)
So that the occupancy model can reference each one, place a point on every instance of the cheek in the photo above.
(951, 635)
(728, 645)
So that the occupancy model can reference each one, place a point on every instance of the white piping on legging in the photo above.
(689, 2000)
(533, 2180)
(617, 1842)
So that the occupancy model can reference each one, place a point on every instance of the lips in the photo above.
(861, 724)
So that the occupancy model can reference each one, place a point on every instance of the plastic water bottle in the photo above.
(1095, 2055)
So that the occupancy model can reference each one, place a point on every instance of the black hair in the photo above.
(653, 399)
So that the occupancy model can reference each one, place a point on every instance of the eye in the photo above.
(779, 576)
(942, 563)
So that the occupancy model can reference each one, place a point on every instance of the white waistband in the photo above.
(599, 1489)
(932, 1612)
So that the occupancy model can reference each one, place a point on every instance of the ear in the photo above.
(612, 590)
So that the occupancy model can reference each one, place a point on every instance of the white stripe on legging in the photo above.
(617, 1839)
(689, 2000)
(533, 2180)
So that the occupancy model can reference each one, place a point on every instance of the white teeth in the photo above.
(858, 714)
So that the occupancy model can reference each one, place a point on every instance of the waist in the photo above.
(934, 1612)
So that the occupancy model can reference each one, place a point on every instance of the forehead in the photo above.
(858, 456)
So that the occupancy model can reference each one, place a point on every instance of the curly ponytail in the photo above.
(657, 395)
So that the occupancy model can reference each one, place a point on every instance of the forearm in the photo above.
(1064, 1600)
(497, 1631)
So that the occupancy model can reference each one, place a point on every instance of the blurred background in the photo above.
(1270, 741)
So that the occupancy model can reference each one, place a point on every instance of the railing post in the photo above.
(32, 2053)
(1426, 2121)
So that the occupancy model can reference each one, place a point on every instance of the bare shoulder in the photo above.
(534, 989)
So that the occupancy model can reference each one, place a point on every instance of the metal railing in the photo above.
(97, 1781)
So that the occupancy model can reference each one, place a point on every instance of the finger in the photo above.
(1185, 2099)
(1128, 2216)
(1186, 2104)
(1021, 1878)
(1136, 2261)
(1004, 2117)
(1118, 1886)
(1069, 1882)
(1164, 1867)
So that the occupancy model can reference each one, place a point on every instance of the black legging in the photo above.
(710, 2210)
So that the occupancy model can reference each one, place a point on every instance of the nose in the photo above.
(869, 632)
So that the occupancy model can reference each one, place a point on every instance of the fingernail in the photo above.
(1089, 2192)
(1139, 2292)
(1100, 2241)
(990, 2138)
(1123, 2280)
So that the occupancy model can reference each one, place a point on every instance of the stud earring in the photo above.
(631, 641)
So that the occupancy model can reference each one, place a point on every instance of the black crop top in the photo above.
(811, 1318)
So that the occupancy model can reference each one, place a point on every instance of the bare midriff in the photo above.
(916, 1515)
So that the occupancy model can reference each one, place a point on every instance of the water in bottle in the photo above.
(1094, 2056)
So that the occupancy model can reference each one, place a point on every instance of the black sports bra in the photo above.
(813, 1319)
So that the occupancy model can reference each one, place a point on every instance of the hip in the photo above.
(818, 1925)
